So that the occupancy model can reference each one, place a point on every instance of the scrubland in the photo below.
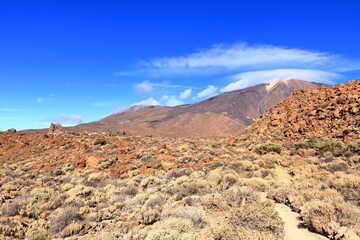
(113, 186)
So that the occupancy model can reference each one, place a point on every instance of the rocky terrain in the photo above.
(331, 111)
(225, 115)
(70, 185)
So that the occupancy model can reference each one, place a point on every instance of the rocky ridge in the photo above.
(328, 111)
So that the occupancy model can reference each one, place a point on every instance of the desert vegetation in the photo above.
(112, 186)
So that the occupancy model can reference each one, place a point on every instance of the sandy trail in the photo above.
(292, 223)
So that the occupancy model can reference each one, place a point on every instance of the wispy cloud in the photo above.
(15, 118)
(144, 87)
(66, 119)
(147, 86)
(239, 57)
(246, 79)
(10, 110)
(208, 92)
(105, 103)
(41, 100)
(185, 94)
(167, 84)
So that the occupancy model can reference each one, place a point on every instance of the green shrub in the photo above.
(323, 146)
(156, 164)
(100, 142)
(267, 148)
(353, 147)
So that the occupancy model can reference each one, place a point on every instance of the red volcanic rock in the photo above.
(56, 128)
(328, 111)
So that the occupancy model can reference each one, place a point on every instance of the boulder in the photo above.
(11, 130)
(56, 128)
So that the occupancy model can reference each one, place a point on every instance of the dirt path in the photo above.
(292, 223)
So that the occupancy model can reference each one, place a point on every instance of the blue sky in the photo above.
(79, 61)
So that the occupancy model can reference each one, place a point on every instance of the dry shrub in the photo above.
(228, 232)
(185, 187)
(229, 181)
(213, 201)
(235, 194)
(178, 172)
(195, 214)
(168, 229)
(12, 228)
(225, 232)
(261, 217)
(148, 216)
(317, 214)
(348, 185)
(61, 218)
(353, 147)
(214, 178)
(151, 210)
(155, 200)
(110, 236)
(11, 208)
(38, 230)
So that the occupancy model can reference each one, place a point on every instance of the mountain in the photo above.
(328, 111)
(223, 115)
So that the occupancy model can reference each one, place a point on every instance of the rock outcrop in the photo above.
(56, 128)
(328, 111)
(11, 130)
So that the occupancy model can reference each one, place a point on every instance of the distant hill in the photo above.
(328, 111)
(223, 115)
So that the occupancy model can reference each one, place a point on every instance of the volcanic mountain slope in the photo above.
(328, 111)
(223, 115)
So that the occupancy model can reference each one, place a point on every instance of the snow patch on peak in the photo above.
(271, 85)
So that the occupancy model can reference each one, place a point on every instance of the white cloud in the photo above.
(118, 110)
(66, 119)
(173, 101)
(209, 91)
(248, 79)
(41, 100)
(240, 57)
(145, 86)
(165, 97)
(185, 94)
(148, 102)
